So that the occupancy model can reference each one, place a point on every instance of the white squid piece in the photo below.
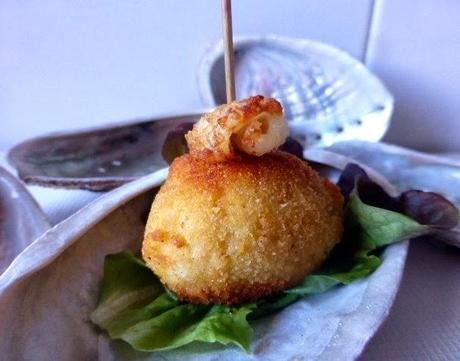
(255, 126)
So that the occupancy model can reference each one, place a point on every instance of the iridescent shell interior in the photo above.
(328, 96)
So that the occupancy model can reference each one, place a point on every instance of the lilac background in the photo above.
(75, 63)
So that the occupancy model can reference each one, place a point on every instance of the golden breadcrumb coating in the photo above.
(254, 125)
(233, 231)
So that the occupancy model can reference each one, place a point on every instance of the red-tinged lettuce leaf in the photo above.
(374, 220)
(292, 146)
(429, 208)
(175, 144)
(380, 227)
(367, 230)
(350, 175)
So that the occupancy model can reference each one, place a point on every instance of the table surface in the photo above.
(424, 321)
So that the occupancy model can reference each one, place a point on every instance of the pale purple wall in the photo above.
(70, 64)
(415, 48)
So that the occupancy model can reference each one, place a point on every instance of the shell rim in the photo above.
(20, 268)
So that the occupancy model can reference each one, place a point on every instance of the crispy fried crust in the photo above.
(234, 231)
(212, 134)
(236, 294)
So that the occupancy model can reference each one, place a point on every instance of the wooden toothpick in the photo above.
(228, 49)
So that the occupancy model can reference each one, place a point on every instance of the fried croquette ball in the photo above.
(254, 126)
(240, 229)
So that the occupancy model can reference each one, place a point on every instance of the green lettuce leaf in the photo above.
(127, 284)
(373, 228)
(135, 307)
(186, 323)
(368, 229)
